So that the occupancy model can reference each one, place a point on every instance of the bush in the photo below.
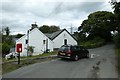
(117, 45)
(0, 48)
(117, 40)
(96, 42)
(31, 50)
(5, 49)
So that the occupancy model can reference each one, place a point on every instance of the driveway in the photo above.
(102, 65)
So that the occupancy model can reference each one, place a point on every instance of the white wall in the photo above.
(59, 40)
(36, 38)
(50, 45)
(22, 40)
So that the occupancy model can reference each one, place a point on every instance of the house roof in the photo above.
(55, 34)
(51, 35)
(29, 33)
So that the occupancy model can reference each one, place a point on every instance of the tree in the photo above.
(7, 30)
(49, 29)
(54, 28)
(7, 41)
(99, 24)
(19, 35)
(44, 29)
(80, 37)
(5, 48)
(7, 38)
(116, 7)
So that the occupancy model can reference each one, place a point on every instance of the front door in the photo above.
(65, 41)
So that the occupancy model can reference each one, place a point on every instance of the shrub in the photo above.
(117, 40)
(117, 45)
(0, 47)
(31, 50)
(5, 49)
(96, 42)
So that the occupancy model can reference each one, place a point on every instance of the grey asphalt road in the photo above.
(103, 65)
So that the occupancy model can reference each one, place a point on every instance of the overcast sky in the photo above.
(18, 15)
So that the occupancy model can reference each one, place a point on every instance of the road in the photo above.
(103, 65)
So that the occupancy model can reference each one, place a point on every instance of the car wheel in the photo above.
(87, 55)
(76, 58)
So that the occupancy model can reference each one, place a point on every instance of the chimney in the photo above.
(34, 25)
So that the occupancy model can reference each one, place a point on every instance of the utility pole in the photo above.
(71, 29)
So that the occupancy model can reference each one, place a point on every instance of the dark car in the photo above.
(72, 52)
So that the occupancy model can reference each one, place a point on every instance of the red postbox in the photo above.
(19, 47)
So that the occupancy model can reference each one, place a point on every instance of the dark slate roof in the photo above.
(48, 35)
(55, 34)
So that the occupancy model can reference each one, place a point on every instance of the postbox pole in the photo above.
(19, 58)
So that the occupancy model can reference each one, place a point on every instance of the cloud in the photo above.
(80, 7)
(19, 15)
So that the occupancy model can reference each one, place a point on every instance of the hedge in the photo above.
(96, 42)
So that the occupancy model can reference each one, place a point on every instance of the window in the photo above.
(43, 41)
(26, 41)
(74, 48)
(64, 48)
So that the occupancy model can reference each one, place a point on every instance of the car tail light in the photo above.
(69, 51)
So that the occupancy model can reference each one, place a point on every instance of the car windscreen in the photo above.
(12, 49)
(64, 48)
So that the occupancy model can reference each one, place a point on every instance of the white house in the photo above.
(60, 38)
(42, 42)
(36, 39)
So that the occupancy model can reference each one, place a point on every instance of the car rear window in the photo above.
(74, 48)
(64, 48)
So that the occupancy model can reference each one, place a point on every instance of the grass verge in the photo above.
(12, 65)
(30, 57)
